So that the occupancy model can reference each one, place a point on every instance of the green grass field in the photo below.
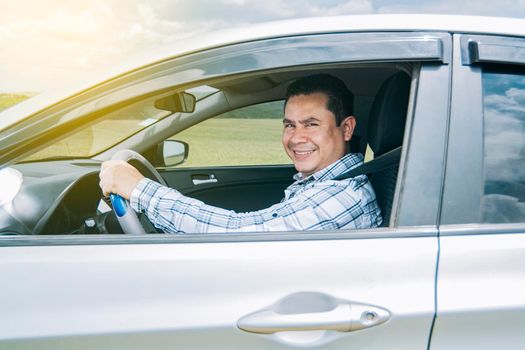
(234, 142)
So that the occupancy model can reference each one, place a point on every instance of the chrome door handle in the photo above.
(203, 179)
(343, 318)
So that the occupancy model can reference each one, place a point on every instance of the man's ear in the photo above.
(348, 125)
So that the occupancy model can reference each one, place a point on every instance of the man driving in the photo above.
(318, 123)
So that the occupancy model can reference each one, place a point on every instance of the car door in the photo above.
(481, 279)
(341, 289)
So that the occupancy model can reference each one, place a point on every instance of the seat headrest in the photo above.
(388, 114)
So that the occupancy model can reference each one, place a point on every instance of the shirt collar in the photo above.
(335, 169)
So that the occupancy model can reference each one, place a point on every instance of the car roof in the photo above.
(259, 31)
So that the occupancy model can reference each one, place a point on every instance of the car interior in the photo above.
(64, 196)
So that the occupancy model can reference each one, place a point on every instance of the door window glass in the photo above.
(245, 136)
(504, 145)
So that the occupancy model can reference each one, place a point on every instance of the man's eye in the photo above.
(311, 124)
(288, 126)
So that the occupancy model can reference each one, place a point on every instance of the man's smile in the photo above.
(302, 153)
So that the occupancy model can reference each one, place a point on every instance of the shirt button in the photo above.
(274, 215)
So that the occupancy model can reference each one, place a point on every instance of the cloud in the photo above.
(499, 208)
(504, 119)
(503, 8)
(49, 44)
(67, 43)
(504, 148)
(249, 11)
(349, 7)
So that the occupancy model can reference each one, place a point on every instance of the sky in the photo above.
(50, 44)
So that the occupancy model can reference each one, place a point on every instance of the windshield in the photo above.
(108, 131)
(104, 133)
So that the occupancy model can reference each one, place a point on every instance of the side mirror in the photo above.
(172, 152)
(179, 102)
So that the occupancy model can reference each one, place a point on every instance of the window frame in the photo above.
(410, 218)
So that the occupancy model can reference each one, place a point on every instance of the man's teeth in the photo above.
(302, 153)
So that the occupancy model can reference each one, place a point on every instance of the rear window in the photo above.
(504, 144)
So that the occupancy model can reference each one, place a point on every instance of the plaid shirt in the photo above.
(316, 202)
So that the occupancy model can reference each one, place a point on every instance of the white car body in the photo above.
(445, 278)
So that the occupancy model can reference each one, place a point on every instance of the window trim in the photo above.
(481, 229)
(492, 49)
(418, 202)
(461, 198)
(246, 237)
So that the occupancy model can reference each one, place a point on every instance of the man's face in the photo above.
(311, 137)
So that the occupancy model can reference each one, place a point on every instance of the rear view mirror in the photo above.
(179, 102)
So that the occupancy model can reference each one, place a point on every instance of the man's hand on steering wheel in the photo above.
(119, 177)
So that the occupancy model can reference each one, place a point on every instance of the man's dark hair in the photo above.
(340, 99)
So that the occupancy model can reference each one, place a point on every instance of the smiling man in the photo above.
(318, 123)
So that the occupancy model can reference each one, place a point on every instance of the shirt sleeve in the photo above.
(325, 206)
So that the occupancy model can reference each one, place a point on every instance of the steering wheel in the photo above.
(126, 216)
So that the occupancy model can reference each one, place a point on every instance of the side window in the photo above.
(504, 145)
(245, 136)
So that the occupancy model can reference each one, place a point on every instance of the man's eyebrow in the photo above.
(309, 120)
(305, 121)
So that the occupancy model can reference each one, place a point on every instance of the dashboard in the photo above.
(58, 197)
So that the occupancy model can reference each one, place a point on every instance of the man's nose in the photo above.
(300, 135)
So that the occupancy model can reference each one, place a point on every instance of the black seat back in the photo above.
(386, 127)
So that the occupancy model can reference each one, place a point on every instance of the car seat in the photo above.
(386, 127)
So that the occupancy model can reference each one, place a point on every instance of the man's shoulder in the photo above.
(342, 166)
(350, 185)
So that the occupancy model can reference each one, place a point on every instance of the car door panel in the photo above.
(481, 291)
(191, 295)
(236, 188)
